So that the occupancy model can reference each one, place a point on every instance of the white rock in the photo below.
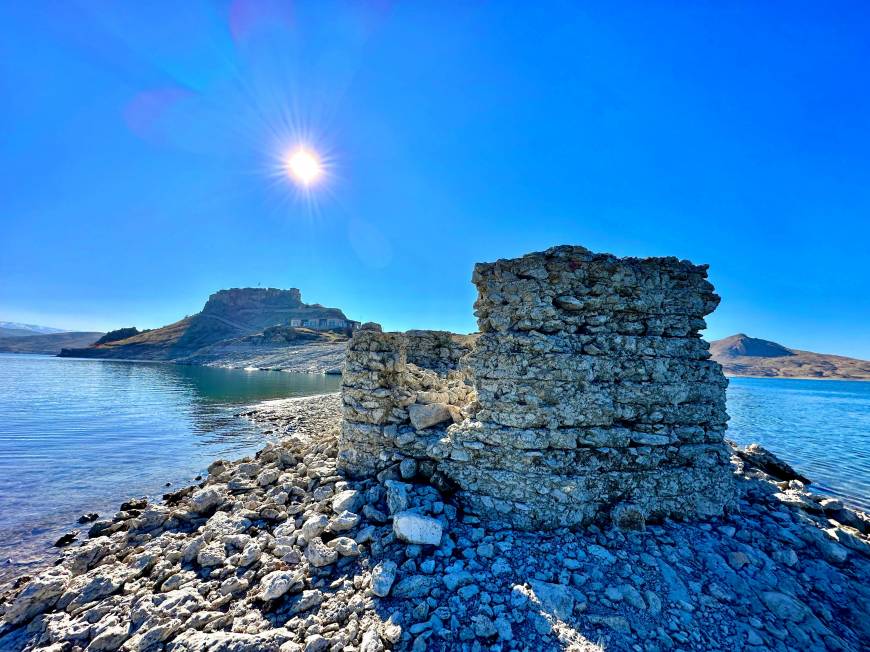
(205, 500)
(268, 477)
(314, 527)
(249, 555)
(37, 595)
(431, 414)
(347, 501)
(212, 555)
(383, 576)
(319, 554)
(416, 528)
(316, 643)
(109, 639)
(371, 642)
(345, 546)
(277, 583)
(554, 598)
(343, 522)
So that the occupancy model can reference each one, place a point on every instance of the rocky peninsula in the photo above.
(262, 328)
(560, 482)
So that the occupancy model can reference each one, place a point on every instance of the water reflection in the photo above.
(78, 435)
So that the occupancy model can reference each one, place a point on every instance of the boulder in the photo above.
(277, 583)
(37, 595)
(431, 414)
(383, 576)
(319, 554)
(761, 458)
(205, 500)
(412, 527)
(347, 501)
(555, 599)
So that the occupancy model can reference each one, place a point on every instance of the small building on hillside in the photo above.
(324, 323)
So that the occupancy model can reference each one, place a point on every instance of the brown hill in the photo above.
(741, 355)
(227, 316)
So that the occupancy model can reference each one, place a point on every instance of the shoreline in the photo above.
(35, 533)
(334, 371)
(847, 380)
(189, 364)
(279, 551)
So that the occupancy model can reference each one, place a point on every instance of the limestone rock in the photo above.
(553, 598)
(319, 554)
(588, 394)
(383, 576)
(431, 414)
(277, 583)
(416, 528)
(760, 457)
(347, 501)
(37, 595)
(205, 500)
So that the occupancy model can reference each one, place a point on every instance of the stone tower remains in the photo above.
(590, 395)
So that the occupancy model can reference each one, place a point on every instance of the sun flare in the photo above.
(304, 166)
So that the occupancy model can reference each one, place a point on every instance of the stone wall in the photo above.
(594, 395)
(439, 351)
(399, 393)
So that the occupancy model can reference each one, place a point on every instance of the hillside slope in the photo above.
(741, 355)
(49, 343)
(236, 328)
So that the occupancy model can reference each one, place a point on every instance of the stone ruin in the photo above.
(398, 392)
(587, 396)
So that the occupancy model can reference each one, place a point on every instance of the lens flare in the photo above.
(304, 166)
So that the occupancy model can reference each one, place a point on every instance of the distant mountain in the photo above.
(234, 327)
(48, 343)
(741, 355)
(15, 329)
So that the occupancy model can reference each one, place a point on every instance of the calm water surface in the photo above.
(82, 435)
(821, 427)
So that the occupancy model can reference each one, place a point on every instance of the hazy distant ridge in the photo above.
(16, 329)
(47, 343)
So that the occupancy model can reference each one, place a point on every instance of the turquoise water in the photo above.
(821, 427)
(79, 436)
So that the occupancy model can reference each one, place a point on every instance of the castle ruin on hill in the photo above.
(588, 395)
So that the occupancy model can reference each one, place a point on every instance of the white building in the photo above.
(324, 323)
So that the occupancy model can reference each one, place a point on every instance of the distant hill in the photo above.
(234, 328)
(741, 355)
(15, 329)
(48, 343)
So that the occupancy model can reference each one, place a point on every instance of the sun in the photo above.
(304, 166)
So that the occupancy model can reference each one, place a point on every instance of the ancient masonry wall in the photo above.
(594, 396)
(399, 392)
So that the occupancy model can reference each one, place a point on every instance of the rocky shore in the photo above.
(280, 552)
(312, 358)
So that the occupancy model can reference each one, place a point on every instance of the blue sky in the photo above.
(141, 143)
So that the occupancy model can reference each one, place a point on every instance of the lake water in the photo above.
(821, 427)
(78, 436)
